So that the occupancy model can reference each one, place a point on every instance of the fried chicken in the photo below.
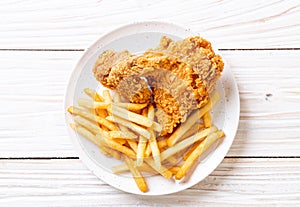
(181, 75)
(115, 71)
(197, 52)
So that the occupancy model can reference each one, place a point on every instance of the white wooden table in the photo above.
(40, 42)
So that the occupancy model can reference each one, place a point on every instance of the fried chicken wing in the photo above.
(179, 74)
(197, 52)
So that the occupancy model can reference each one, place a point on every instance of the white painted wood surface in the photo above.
(236, 182)
(75, 24)
(33, 85)
(263, 165)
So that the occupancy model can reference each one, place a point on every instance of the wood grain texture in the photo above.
(32, 86)
(76, 24)
(236, 182)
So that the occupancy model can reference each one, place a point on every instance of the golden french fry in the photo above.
(162, 144)
(191, 149)
(140, 130)
(172, 160)
(106, 96)
(152, 141)
(148, 150)
(101, 112)
(86, 133)
(121, 134)
(191, 120)
(155, 150)
(186, 143)
(111, 152)
(77, 111)
(130, 116)
(133, 144)
(93, 94)
(162, 170)
(130, 106)
(124, 168)
(174, 169)
(193, 130)
(141, 150)
(200, 126)
(197, 152)
(116, 146)
(90, 125)
(120, 141)
(90, 136)
(86, 103)
(207, 120)
(139, 179)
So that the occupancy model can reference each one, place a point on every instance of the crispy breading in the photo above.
(198, 53)
(181, 75)
(114, 70)
(104, 64)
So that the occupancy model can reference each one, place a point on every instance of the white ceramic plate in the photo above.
(137, 38)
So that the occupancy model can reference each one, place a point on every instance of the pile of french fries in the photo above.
(129, 132)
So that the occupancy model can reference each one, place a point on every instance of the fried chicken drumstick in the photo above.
(179, 74)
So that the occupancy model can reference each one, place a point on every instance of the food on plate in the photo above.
(156, 118)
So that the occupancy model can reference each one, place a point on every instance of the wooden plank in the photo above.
(75, 24)
(32, 86)
(236, 182)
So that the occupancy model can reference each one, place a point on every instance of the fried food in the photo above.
(179, 75)
(197, 52)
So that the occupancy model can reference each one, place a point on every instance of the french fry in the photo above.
(193, 130)
(191, 149)
(172, 160)
(174, 169)
(207, 120)
(148, 150)
(139, 179)
(197, 152)
(106, 96)
(111, 152)
(101, 112)
(162, 170)
(77, 111)
(90, 125)
(121, 134)
(90, 136)
(116, 146)
(162, 144)
(120, 141)
(181, 130)
(152, 141)
(124, 168)
(140, 130)
(133, 144)
(141, 150)
(130, 116)
(186, 143)
(93, 94)
(106, 120)
(86, 133)
(86, 103)
(130, 106)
